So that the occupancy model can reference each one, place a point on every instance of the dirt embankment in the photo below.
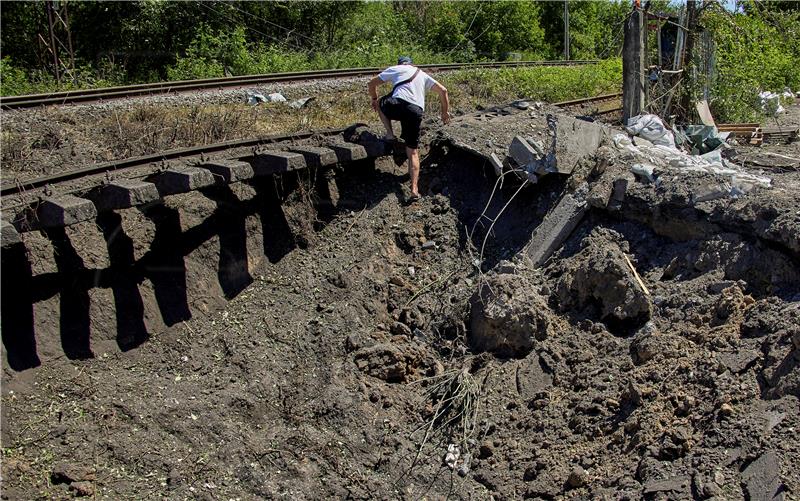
(655, 355)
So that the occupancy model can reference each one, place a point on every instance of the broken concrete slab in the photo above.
(8, 234)
(576, 139)
(123, 193)
(522, 152)
(182, 179)
(348, 152)
(229, 171)
(64, 210)
(316, 156)
(556, 227)
(269, 162)
(762, 478)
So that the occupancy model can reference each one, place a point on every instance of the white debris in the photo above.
(451, 458)
(650, 127)
(770, 103)
(644, 170)
(300, 103)
(253, 98)
(647, 160)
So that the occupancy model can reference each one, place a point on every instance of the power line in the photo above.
(248, 27)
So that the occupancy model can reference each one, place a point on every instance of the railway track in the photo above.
(90, 95)
(588, 105)
(594, 106)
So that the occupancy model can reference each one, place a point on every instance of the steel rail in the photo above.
(88, 95)
(132, 162)
(101, 168)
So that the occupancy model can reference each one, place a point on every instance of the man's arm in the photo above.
(372, 90)
(445, 98)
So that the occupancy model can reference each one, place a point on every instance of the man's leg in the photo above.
(387, 124)
(413, 169)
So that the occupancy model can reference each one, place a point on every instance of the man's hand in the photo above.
(372, 91)
(442, 91)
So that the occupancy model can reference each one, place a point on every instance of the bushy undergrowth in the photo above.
(217, 55)
(14, 81)
(753, 53)
(547, 83)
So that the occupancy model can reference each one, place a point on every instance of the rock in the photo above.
(356, 341)
(762, 478)
(401, 329)
(508, 316)
(676, 487)
(64, 473)
(726, 410)
(82, 489)
(485, 451)
(578, 477)
(341, 280)
(398, 281)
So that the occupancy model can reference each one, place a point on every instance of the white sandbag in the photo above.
(650, 127)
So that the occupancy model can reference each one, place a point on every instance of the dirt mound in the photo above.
(508, 315)
(599, 281)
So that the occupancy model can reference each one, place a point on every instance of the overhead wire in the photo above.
(229, 18)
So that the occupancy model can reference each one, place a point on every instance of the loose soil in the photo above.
(369, 357)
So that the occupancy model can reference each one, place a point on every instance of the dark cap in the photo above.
(403, 60)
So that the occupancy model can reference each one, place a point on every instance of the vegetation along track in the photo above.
(89, 95)
(596, 105)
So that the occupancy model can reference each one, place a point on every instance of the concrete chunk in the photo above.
(497, 164)
(123, 193)
(556, 227)
(8, 234)
(348, 152)
(522, 152)
(182, 179)
(229, 171)
(762, 478)
(65, 210)
(265, 163)
(316, 156)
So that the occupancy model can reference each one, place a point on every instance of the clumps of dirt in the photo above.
(393, 363)
(600, 282)
(508, 315)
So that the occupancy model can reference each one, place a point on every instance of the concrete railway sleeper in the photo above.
(68, 208)
(137, 256)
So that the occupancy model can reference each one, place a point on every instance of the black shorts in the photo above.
(409, 115)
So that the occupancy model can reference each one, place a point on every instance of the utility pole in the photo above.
(633, 70)
(566, 30)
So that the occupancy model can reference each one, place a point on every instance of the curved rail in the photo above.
(128, 163)
(14, 188)
(88, 95)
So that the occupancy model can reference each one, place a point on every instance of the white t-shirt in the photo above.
(414, 91)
